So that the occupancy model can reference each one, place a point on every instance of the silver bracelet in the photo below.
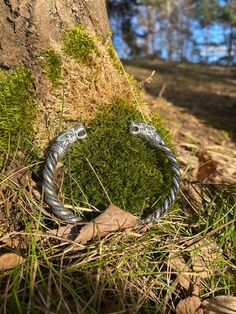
(58, 151)
(149, 133)
(69, 137)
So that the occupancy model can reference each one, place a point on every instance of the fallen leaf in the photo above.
(193, 197)
(10, 260)
(196, 286)
(177, 263)
(190, 305)
(35, 193)
(205, 255)
(17, 172)
(221, 304)
(66, 232)
(111, 220)
(207, 166)
(16, 242)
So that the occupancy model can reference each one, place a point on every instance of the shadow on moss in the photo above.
(133, 174)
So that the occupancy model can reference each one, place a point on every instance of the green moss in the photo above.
(116, 61)
(79, 44)
(17, 109)
(133, 174)
(52, 66)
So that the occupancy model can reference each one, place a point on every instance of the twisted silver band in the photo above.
(69, 137)
(58, 151)
(149, 133)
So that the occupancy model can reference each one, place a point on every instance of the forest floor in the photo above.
(184, 264)
(198, 105)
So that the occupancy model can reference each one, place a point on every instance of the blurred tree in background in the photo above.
(175, 30)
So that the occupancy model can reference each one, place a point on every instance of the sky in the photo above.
(210, 53)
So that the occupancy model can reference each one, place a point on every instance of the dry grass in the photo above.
(136, 271)
(201, 91)
(197, 103)
(83, 89)
(127, 272)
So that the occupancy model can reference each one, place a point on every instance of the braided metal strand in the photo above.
(149, 133)
(58, 151)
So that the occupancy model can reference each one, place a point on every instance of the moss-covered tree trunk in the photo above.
(58, 66)
(31, 26)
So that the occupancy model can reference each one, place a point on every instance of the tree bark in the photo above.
(27, 27)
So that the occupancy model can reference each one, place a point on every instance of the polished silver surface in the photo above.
(58, 151)
(149, 133)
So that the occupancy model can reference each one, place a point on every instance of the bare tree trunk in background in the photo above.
(29, 26)
(150, 31)
(229, 42)
(169, 30)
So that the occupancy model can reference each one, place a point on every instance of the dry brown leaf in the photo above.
(196, 286)
(17, 172)
(177, 263)
(204, 255)
(221, 304)
(66, 232)
(111, 220)
(10, 260)
(207, 167)
(20, 242)
(190, 305)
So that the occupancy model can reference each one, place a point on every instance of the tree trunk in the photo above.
(230, 46)
(27, 27)
(30, 27)
(150, 37)
(169, 30)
